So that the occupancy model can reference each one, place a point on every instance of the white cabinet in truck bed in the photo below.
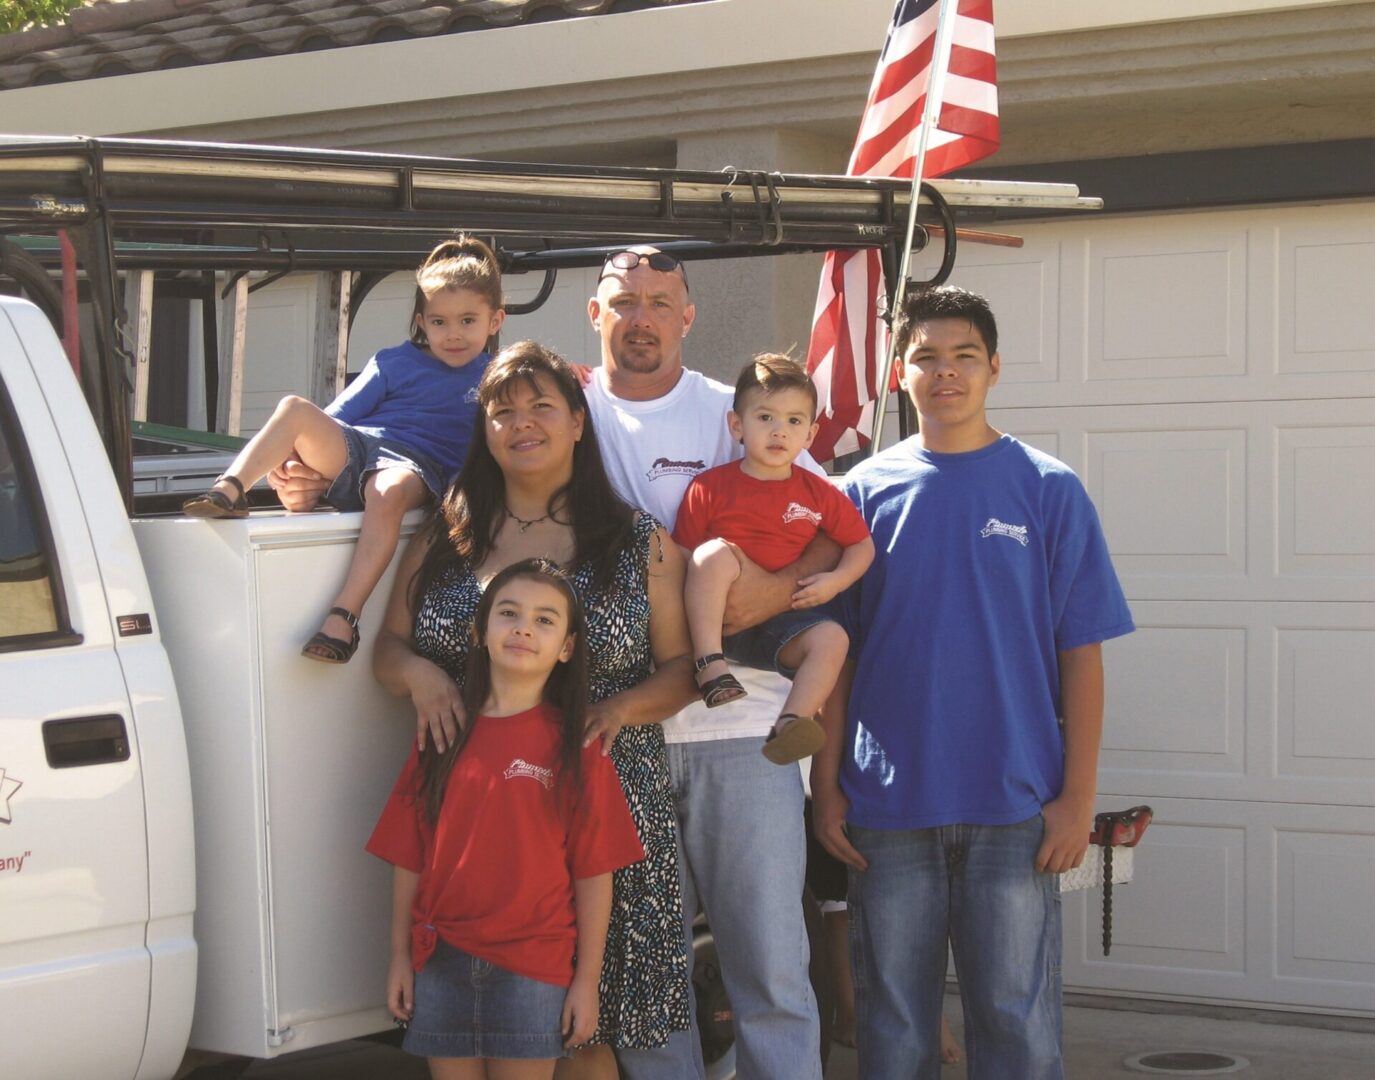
(291, 761)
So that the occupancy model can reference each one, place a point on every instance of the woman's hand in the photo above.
(439, 714)
(579, 1020)
(604, 721)
(402, 671)
(401, 987)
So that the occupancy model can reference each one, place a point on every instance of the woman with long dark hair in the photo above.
(534, 486)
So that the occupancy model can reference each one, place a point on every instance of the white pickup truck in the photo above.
(183, 799)
(101, 932)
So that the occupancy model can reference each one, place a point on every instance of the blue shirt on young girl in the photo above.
(988, 564)
(407, 396)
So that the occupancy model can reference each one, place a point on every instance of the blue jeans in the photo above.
(974, 887)
(743, 855)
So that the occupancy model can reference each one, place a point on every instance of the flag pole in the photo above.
(930, 117)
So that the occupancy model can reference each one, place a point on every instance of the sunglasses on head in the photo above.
(658, 260)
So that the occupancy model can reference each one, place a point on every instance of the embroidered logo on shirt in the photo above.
(798, 512)
(521, 767)
(1000, 528)
(668, 467)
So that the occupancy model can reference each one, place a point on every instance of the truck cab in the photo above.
(97, 866)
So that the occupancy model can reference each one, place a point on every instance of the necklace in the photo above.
(521, 521)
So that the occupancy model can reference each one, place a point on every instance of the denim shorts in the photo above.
(469, 1008)
(759, 646)
(367, 454)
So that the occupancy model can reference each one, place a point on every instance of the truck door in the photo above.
(74, 890)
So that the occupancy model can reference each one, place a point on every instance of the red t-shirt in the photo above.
(497, 872)
(770, 520)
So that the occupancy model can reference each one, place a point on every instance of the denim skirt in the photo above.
(469, 1008)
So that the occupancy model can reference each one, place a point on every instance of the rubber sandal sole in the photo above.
(800, 739)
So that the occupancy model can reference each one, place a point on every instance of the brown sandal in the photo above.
(721, 690)
(333, 650)
(216, 504)
(800, 737)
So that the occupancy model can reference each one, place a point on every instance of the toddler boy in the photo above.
(767, 508)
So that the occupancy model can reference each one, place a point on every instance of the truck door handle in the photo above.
(85, 740)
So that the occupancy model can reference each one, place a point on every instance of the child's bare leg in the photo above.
(457, 1068)
(837, 925)
(950, 1049)
(587, 1063)
(513, 1069)
(712, 570)
(817, 655)
(298, 427)
(387, 495)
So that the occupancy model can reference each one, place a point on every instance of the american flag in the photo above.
(849, 338)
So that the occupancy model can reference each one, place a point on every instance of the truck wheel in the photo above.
(714, 1014)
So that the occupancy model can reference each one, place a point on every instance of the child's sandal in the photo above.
(721, 690)
(333, 650)
(216, 504)
(800, 737)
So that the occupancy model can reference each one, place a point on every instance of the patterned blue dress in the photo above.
(644, 987)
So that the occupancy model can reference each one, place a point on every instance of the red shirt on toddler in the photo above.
(772, 521)
(497, 870)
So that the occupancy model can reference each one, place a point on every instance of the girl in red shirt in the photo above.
(503, 848)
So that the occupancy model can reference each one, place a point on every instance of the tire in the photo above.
(715, 1019)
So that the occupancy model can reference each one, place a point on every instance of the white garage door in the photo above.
(1211, 377)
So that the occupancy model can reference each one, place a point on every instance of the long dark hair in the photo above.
(464, 527)
(566, 688)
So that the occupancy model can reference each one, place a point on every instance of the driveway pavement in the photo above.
(1100, 1037)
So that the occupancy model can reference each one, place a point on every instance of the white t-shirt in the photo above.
(653, 449)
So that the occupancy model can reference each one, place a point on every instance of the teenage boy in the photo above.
(769, 509)
(960, 766)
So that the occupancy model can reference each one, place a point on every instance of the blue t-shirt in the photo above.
(988, 564)
(410, 397)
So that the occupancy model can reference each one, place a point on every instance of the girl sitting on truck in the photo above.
(395, 438)
(503, 847)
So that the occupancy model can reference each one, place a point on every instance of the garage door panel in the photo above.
(1171, 501)
(1234, 305)
(1326, 318)
(1325, 695)
(1243, 501)
(1165, 304)
(1177, 698)
(1192, 866)
(1261, 702)
(1326, 488)
(1241, 902)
